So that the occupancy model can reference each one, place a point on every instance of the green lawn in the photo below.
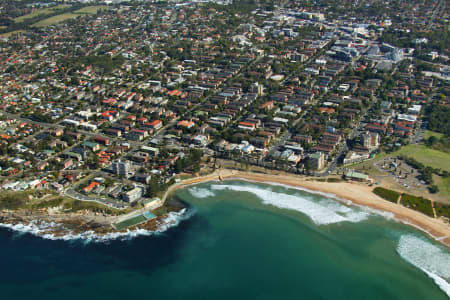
(77, 205)
(429, 133)
(89, 10)
(56, 201)
(367, 167)
(8, 34)
(427, 156)
(41, 12)
(56, 19)
(421, 153)
(443, 184)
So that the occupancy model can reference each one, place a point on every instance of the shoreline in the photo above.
(357, 193)
(86, 225)
(360, 194)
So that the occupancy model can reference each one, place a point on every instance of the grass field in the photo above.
(89, 10)
(8, 34)
(443, 184)
(77, 205)
(55, 20)
(40, 12)
(427, 156)
(429, 133)
(53, 202)
(367, 168)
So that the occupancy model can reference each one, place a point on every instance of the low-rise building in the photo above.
(247, 126)
(352, 175)
(92, 146)
(353, 157)
(90, 187)
(67, 163)
(132, 195)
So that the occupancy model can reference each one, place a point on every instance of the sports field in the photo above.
(427, 156)
(55, 20)
(444, 185)
(8, 34)
(40, 12)
(89, 10)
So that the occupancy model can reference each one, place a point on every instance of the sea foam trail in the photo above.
(321, 212)
(201, 192)
(369, 210)
(44, 229)
(429, 258)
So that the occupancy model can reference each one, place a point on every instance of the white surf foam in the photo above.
(429, 258)
(322, 212)
(370, 210)
(44, 229)
(385, 214)
(287, 186)
(201, 192)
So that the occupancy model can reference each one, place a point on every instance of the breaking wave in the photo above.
(321, 212)
(45, 230)
(287, 186)
(385, 214)
(431, 259)
(201, 192)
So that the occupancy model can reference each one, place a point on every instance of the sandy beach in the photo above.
(358, 193)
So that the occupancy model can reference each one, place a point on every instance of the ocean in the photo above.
(239, 240)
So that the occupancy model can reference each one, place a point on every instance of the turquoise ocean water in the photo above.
(242, 241)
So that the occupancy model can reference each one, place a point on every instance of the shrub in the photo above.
(334, 180)
(442, 210)
(417, 203)
(50, 203)
(13, 200)
(386, 194)
(433, 189)
(78, 205)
